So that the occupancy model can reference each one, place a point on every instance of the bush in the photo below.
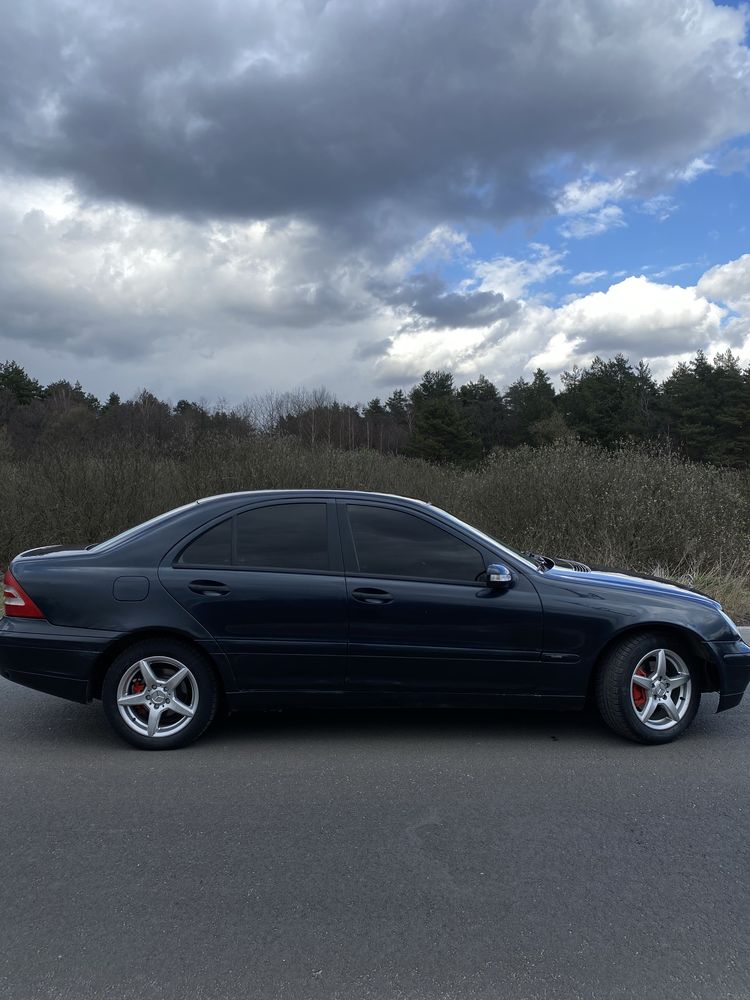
(635, 508)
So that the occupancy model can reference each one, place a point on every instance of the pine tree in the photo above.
(14, 379)
(484, 410)
(441, 432)
(610, 401)
(530, 408)
(690, 408)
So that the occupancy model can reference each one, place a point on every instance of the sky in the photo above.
(217, 199)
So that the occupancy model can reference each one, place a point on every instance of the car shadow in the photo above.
(404, 725)
(429, 725)
(36, 720)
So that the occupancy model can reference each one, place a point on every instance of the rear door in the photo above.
(267, 582)
(421, 618)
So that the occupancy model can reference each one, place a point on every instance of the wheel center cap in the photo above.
(158, 697)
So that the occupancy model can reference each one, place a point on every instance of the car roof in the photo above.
(331, 494)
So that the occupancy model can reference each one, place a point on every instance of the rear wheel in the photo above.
(160, 694)
(648, 688)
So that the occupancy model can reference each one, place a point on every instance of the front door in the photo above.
(268, 584)
(421, 618)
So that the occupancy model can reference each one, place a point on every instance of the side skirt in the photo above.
(248, 700)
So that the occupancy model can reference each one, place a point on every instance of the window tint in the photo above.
(212, 548)
(393, 543)
(284, 536)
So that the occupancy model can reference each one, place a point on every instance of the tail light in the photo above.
(18, 604)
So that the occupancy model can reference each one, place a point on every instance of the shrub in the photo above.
(635, 508)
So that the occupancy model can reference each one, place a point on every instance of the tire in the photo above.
(160, 694)
(648, 688)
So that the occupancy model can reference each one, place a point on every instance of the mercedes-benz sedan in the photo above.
(333, 598)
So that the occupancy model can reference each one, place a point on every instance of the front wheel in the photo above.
(160, 694)
(648, 688)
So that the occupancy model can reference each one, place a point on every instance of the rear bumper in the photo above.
(732, 662)
(51, 658)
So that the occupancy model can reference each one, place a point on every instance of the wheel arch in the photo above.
(105, 659)
(709, 676)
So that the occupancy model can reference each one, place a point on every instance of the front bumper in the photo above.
(732, 662)
(51, 658)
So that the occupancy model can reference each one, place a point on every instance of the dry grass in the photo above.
(730, 586)
(637, 509)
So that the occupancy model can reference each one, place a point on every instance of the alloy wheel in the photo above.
(660, 689)
(157, 696)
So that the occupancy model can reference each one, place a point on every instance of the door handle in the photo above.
(208, 588)
(372, 595)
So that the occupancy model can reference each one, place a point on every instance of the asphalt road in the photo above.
(372, 855)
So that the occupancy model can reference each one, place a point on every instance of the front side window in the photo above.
(391, 542)
(283, 536)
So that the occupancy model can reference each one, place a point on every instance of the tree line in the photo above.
(702, 410)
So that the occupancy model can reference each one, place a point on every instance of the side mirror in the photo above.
(499, 577)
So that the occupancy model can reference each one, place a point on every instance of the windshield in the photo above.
(488, 539)
(137, 529)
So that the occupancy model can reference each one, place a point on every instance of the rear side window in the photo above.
(284, 536)
(393, 543)
(212, 548)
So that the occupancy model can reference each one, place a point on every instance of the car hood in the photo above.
(652, 585)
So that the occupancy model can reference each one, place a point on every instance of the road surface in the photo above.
(346, 856)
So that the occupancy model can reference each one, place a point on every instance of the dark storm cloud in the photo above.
(444, 108)
(372, 349)
(432, 306)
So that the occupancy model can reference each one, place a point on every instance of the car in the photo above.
(343, 598)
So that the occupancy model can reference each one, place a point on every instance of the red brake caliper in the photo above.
(639, 693)
(139, 685)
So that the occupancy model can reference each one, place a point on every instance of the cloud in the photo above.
(729, 283)
(637, 316)
(513, 277)
(81, 280)
(661, 206)
(665, 272)
(594, 223)
(261, 193)
(233, 308)
(736, 159)
(694, 169)
(430, 304)
(126, 298)
(585, 195)
(261, 110)
(587, 277)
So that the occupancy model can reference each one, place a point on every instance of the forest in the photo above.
(702, 411)
(613, 467)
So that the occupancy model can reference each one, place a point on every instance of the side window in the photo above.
(393, 543)
(284, 536)
(212, 548)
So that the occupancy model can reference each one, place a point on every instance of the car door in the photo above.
(420, 617)
(267, 582)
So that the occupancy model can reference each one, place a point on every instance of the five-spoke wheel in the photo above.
(660, 689)
(159, 694)
(648, 688)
